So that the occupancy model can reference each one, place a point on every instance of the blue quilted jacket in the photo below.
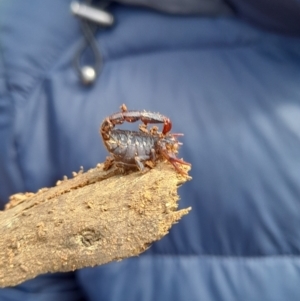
(230, 83)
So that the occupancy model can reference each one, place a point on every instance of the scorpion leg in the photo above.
(153, 154)
(139, 162)
(173, 160)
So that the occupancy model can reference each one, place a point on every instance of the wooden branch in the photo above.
(94, 218)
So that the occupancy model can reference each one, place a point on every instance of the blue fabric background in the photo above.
(232, 88)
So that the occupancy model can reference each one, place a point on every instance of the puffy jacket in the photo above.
(233, 89)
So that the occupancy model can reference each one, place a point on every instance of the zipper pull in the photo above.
(93, 14)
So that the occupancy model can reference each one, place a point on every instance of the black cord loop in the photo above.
(88, 73)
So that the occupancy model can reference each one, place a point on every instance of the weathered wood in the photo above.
(94, 218)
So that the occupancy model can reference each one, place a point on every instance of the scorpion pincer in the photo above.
(133, 149)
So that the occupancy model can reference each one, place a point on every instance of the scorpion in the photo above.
(135, 149)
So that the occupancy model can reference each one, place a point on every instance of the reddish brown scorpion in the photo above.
(135, 149)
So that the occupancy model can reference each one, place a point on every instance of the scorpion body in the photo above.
(132, 149)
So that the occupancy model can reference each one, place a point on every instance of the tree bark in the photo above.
(94, 218)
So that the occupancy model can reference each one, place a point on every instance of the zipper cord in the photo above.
(91, 18)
